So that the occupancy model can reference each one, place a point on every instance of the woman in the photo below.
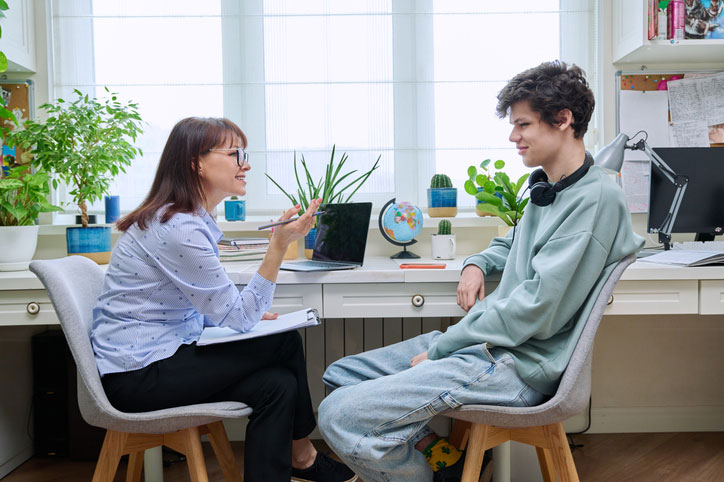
(165, 283)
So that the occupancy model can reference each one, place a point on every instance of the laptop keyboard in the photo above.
(321, 264)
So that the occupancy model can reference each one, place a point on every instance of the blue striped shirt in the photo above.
(163, 285)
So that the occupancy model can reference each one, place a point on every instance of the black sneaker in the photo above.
(324, 469)
(454, 472)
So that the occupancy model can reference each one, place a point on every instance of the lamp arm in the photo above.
(677, 180)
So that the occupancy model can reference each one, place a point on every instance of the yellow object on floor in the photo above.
(441, 453)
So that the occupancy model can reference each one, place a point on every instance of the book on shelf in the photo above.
(290, 321)
(686, 257)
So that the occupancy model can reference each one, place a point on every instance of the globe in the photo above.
(400, 222)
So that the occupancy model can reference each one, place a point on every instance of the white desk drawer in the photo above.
(26, 307)
(390, 300)
(655, 298)
(711, 297)
(288, 298)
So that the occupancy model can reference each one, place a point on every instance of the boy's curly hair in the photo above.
(550, 88)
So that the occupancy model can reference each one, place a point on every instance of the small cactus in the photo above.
(440, 181)
(444, 227)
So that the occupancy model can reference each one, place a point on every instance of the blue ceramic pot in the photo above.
(93, 242)
(442, 202)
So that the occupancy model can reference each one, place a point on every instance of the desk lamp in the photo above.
(611, 157)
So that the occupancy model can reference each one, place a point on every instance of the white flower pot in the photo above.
(443, 246)
(18, 247)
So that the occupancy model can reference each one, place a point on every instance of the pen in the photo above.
(285, 222)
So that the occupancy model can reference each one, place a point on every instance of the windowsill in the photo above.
(252, 223)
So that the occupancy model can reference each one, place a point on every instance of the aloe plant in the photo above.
(331, 187)
(499, 195)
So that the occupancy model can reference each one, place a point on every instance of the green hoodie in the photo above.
(562, 254)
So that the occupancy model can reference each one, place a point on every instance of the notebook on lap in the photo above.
(341, 238)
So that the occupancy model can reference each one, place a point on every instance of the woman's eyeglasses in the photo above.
(242, 158)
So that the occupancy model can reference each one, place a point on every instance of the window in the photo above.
(414, 82)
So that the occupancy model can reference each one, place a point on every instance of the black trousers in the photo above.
(267, 373)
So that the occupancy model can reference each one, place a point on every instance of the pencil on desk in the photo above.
(266, 226)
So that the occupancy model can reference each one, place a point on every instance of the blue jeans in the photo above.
(380, 406)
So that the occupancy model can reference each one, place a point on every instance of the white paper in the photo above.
(290, 321)
(644, 111)
(636, 178)
(695, 98)
(693, 133)
(682, 257)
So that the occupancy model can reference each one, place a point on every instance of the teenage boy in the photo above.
(514, 344)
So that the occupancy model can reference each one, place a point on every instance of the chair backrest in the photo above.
(74, 284)
(574, 388)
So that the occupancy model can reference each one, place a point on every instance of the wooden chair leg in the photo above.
(224, 454)
(459, 434)
(474, 458)
(188, 442)
(110, 455)
(546, 464)
(556, 440)
(135, 465)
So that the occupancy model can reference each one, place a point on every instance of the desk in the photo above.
(381, 289)
(359, 303)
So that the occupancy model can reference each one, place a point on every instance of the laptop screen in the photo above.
(342, 232)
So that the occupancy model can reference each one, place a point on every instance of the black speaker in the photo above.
(59, 429)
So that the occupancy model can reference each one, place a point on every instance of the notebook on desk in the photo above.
(341, 238)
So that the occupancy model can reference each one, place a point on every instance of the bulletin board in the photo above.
(642, 103)
(18, 96)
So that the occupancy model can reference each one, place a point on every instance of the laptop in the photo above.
(341, 238)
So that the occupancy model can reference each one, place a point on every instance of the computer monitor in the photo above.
(702, 207)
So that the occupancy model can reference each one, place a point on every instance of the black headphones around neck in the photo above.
(542, 193)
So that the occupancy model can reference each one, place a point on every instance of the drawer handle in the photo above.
(418, 300)
(610, 300)
(33, 308)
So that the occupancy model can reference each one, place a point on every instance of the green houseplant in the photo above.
(496, 194)
(442, 197)
(332, 187)
(84, 143)
(23, 195)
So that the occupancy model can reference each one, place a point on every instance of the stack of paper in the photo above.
(685, 257)
(243, 249)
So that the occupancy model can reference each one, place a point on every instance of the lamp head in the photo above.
(611, 156)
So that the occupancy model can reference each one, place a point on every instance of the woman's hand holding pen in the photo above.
(286, 234)
(290, 232)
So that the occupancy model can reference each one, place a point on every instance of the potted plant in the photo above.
(332, 187)
(442, 197)
(23, 195)
(496, 194)
(443, 243)
(85, 144)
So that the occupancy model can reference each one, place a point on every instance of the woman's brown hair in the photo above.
(177, 180)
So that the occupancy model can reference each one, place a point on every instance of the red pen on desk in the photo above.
(422, 266)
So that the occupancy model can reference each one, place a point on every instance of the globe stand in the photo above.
(404, 254)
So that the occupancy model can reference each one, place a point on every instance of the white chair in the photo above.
(73, 284)
(541, 425)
